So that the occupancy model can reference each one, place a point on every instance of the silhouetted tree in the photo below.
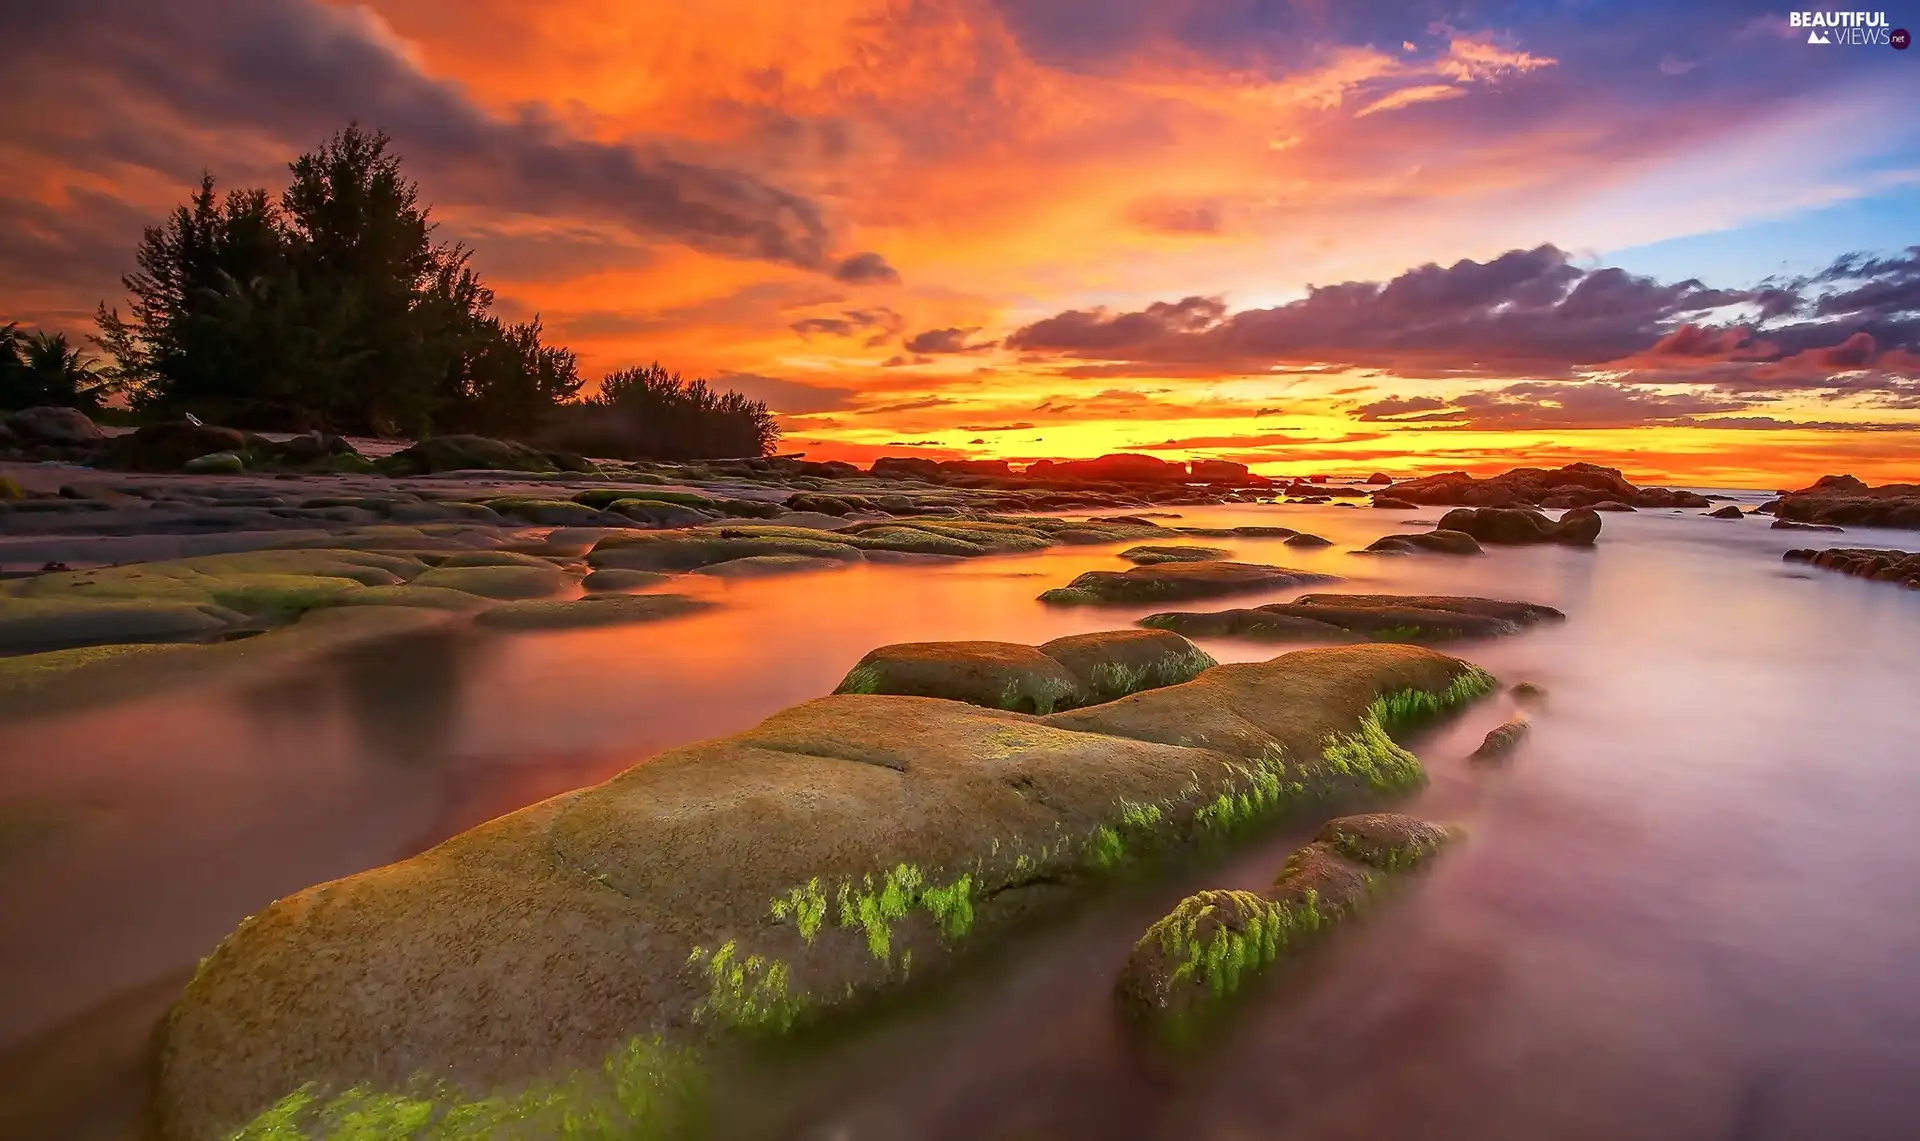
(649, 411)
(45, 368)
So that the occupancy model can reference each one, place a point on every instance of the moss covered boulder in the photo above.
(272, 586)
(34, 624)
(1215, 942)
(998, 675)
(747, 883)
(1115, 663)
(462, 453)
(703, 546)
(505, 583)
(1150, 554)
(1172, 582)
(1339, 617)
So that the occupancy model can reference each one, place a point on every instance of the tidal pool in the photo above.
(1685, 909)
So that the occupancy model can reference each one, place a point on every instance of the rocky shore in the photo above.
(579, 959)
(1842, 500)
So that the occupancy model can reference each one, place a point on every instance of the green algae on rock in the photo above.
(819, 857)
(1062, 674)
(1213, 942)
(1150, 554)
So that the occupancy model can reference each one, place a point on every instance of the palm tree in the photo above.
(45, 368)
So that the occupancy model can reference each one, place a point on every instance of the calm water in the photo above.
(1687, 909)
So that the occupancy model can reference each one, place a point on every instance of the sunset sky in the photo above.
(1308, 236)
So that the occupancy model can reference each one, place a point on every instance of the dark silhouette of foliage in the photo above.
(651, 412)
(332, 306)
(42, 368)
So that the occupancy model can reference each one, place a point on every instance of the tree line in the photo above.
(334, 306)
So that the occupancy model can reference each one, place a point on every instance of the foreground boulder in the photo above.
(1510, 526)
(1343, 617)
(1842, 500)
(1576, 485)
(1215, 942)
(744, 884)
(1169, 582)
(1902, 567)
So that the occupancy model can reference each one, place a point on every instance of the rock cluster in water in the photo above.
(1902, 567)
(749, 884)
(1842, 500)
(1576, 485)
(1361, 617)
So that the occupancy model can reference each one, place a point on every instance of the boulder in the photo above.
(1306, 542)
(1169, 582)
(48, 425)
(1790, 525)
(1502, 740)
(463, 452)
(545, 512)
(615, 579)
(1842, 500)
(219, 463)
(760, 566)
(1507, 526)
(1861, 562)
(1393, 503)
(701, 893)
(505, 583)
(1379, 478)
(1429, 542)
(905, 467)
(1342, 617)
(169, 447)
(1576, 485)
(33, 625)
(1218, 471)
(1111, 664)
(997, 675)
(1728, 512)
(1150, 555)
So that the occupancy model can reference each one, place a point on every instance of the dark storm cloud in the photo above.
(1530, 311)
(866, 269)
(299, 69)
(946, 341)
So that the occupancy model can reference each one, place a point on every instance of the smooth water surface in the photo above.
(1686, 909)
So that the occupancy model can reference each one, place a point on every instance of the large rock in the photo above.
(592, 611)
(1150, 555)
(1842, 500)
(1341, 617)
(461, 452)
(1062, 674)
(1173, 582)
(169, 447)
(1122, 467)
(1511, 525)
(1576, 485)
(1218, 471)
(739, 882)
(63, 426)
(1431, 542)
(1114, 663)
(1864, 562)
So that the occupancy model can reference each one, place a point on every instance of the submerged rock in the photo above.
(1502, 740)
(1507, 525)
(1149, 555)
(1214, 942)
(1430, 542)
(740, 884)
(1177, 581)
(1340, 617)
(1790, 525)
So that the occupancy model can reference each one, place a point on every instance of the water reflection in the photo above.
(1684, 910)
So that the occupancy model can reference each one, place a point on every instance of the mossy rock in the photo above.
(603, 497)
(425, 597)
(218, 463)
(630, 912)
(1115, 663)
(506, 583)
(655, 514)
(997, 675)
(545, 512)
(464, 453)
(1305, 541)
(596, 610)
(759, 566)
(917, 540)
(38, 624)
(615, 579)
(1338, 617)
(1213, 943)
(495, 559)
(271, 585)
(1255, 624)
(1165, 582)
(699, 547)
(1150, 555)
